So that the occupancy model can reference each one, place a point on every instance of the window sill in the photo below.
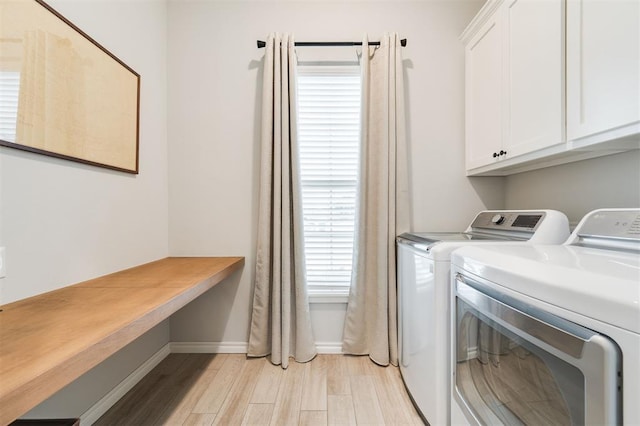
(317, 297)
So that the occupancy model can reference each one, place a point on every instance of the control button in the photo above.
(497, 219)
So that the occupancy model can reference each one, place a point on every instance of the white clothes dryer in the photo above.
(424, 296)
(550, 334)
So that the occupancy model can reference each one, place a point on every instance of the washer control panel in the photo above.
(508, 221)
(622, 223)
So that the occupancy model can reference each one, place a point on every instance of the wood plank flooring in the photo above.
(519, 390)
(231, 389)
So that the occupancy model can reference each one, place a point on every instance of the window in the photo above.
(329, 133)
(9, 87)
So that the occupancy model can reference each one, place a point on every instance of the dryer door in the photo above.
(516, 364)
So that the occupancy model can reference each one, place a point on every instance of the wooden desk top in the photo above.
(49, 340)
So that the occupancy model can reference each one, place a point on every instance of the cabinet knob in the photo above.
(495, 154)
(503, 152)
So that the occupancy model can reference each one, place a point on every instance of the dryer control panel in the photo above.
(508, 221)
(618, 223)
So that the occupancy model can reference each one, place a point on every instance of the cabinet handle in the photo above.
(503, 152)
(495, 154)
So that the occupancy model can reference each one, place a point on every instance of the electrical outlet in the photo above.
(3, 263)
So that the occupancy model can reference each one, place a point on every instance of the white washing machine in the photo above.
(424, 295)
(550, 334)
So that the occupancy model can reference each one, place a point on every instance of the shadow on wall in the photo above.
(490, 190)
(406, 65)
(580, 187)
(196, 322)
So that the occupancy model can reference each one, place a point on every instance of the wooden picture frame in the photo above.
(75, 99)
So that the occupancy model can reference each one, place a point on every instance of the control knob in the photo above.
(497, 219)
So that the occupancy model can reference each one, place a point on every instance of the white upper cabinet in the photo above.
(550, 82)
(483, 94)
(514, 80)
(603, 68)
(534, 62)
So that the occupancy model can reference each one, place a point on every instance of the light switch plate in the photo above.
(3, 263)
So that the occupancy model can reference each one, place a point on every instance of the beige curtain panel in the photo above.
(280, 320)
(383, 205)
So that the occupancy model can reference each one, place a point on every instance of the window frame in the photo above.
(328, 293)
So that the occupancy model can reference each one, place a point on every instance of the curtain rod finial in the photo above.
(261, 44)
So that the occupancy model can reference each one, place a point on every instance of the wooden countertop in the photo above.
(49, 340)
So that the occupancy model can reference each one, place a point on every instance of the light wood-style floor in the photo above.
(231, 389)
(520, 390)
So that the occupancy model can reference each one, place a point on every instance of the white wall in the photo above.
(577, 188)
(64, 222)
(215, 73)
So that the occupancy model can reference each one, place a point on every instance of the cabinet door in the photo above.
(483, 94)
(534, 40)
(603, 69)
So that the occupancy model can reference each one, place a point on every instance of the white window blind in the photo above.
(329, 134)
(9, 88)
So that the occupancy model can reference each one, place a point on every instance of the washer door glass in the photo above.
(504, 379)
(518, 365)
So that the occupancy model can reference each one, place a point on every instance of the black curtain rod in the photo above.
(262, 44)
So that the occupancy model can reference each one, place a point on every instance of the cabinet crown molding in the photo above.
(481, 17)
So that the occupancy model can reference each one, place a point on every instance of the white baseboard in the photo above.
(329, 347)
(209, 347)
(239, 347)
(109, 400)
